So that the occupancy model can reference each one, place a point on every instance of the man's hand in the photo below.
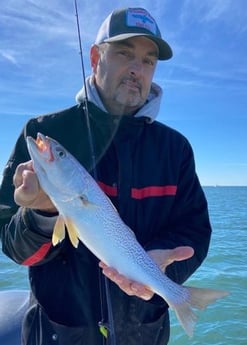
(162, 257)
(28, 192)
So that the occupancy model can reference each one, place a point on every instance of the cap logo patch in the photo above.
(141, 19)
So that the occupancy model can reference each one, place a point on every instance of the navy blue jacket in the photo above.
(148, 171)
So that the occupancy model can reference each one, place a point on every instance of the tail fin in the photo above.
(198, 298)
(201, 297)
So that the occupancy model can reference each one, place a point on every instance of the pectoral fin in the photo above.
(72, 232)
(59, 231)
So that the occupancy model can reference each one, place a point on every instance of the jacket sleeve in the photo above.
(21, 240)
(188, 223)
(19, 229)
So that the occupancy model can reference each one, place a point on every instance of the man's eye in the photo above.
(124, 53)
(149, 62)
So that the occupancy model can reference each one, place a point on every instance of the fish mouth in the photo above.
(42, 142)
(40, 148)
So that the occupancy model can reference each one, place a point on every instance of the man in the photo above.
(145, 167)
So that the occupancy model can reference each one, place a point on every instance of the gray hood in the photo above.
(150, 109)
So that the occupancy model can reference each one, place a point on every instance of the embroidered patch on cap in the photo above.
(141, 19)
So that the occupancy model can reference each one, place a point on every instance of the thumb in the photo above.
(181, 253)
(165, 257)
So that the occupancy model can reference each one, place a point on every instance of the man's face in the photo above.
(123, 73)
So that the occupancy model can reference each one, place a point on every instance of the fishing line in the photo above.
(85, 100)
(106, 328)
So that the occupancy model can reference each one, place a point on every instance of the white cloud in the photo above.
(231, 13)
(215, 9)
(9, 56)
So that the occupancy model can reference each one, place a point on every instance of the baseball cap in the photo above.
(125, 23)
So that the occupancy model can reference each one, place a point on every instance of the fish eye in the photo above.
(61, 153)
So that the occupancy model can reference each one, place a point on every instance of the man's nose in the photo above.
(136, 67)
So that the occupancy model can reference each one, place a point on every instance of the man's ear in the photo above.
(94, 57)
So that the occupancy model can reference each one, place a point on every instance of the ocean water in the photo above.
(225, 322)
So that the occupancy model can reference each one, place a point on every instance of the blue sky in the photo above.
(205, 95)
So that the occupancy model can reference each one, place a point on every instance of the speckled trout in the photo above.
(88, 215)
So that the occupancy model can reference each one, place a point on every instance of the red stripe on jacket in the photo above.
(141, 193)
(38, 255)
(109, 190)
(146, 192)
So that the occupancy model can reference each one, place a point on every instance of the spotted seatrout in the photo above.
(88, 215)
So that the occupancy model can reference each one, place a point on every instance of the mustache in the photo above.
(133, 80)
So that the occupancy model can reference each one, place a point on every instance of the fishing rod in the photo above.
(106, 327)
(85, 101)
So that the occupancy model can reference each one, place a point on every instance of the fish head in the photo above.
(58, 172)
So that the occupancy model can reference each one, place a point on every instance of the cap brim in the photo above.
(165, 51)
